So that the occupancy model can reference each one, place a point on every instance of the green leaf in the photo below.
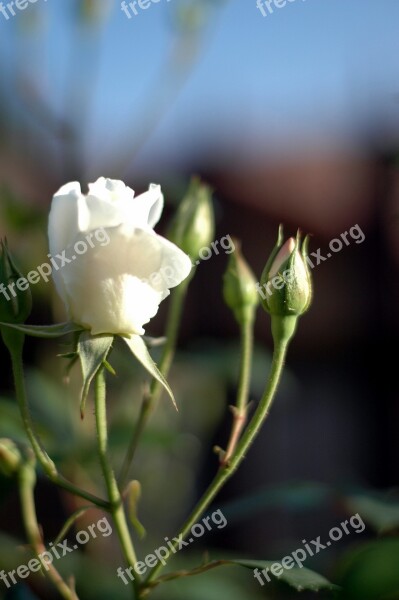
(92, 350)
(381, 514)
(298, 578)
(133, 493)
(370, 570)
(140, 351)
(45, 331)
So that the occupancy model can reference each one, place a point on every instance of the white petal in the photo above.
(63, 218)
(148, 206)
(110, 190)
(175, 264)
(282, 256)
(116, 305)
(108, 202)
(103, 213)
(67, 214)
(117, 288)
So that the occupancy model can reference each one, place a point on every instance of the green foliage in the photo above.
(381, 514)
(372, 571)
(298, 578)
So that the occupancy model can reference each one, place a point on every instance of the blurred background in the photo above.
(293, 118)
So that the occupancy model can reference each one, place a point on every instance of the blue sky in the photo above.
(312, 69)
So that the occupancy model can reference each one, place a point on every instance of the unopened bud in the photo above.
(239, 287)
(286, 284)
(193, 225)
(10, 457)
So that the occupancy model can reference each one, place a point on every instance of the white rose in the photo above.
(116, 286)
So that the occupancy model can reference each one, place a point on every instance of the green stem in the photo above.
(116, 510)
(27, 481)
(152, 396)
(226, 471)
(42, 457)
(241, 408)
(188, 573)
(246, 361)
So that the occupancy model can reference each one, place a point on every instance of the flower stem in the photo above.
(188, 573)
(152, 396)
(116, 510)
(241, 408)
(27, 481)
(227, 470)
(42, 457)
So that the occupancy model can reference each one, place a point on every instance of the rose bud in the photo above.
(193, 226)
(285, 285)
(239, 287)
(10, 457)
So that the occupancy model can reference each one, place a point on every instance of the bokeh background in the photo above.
(293, 118)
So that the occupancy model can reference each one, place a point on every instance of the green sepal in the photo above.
(140, 351)
(15, 304)
(45, 331)
(93, 351)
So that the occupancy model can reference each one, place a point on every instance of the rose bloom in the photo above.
(117, 284)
